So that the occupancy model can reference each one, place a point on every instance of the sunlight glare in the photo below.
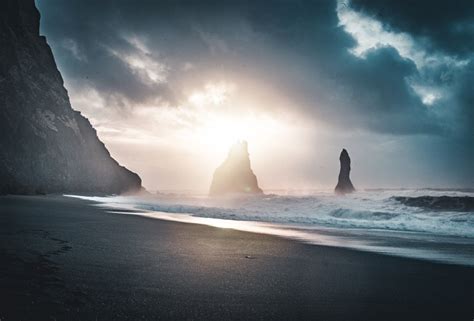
(213, 93)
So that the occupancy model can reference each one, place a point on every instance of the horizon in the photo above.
(309, 191)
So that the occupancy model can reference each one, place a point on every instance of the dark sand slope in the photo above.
(64, 259)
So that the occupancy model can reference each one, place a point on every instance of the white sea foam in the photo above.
(372, 220)
(365, 210)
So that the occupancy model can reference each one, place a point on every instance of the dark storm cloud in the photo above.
(89, 40)
(377, 87)
(448, 25)
(298, 46)
(332, 83)
(443, 26)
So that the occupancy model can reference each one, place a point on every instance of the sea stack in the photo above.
(46, 146)
(235, 176)
(344, 184)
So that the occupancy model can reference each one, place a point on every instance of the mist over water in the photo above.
(429, 224)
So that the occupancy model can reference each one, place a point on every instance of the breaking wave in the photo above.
(436, 212)
(439, 203)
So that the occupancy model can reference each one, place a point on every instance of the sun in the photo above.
(223, 115)
(221, 131)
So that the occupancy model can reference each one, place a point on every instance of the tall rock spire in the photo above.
(234, 175)
(344, 184)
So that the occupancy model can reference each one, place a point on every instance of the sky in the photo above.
(171, 85)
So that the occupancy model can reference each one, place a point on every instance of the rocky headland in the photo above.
(45, 145)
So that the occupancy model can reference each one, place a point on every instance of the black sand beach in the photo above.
(63, 259)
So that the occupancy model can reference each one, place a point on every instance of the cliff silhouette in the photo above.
(46, 146)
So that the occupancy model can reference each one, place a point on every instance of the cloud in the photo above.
(385, 69)
(143, 63)
(72, 46)
(445, 26)
(215, 94)
(371, 34)
(216, 45)
(330, 59)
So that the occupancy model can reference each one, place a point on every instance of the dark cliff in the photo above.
(235, 176)
(45, 146)
(344, 184)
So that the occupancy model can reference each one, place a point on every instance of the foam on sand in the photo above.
(374, 221)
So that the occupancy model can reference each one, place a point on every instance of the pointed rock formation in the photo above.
(344, 184)
(235, 175)
(45, 146)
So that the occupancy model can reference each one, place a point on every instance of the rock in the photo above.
(344, 184)
(45, 146)
(235, 176)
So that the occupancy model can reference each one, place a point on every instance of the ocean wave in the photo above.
(436, 214)
(363, 215)
(439, 203)
(368, 221)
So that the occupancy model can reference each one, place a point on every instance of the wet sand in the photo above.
(64, 259)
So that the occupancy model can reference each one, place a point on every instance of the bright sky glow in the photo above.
(195, 137)
(213, 93)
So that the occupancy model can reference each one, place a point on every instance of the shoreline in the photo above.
(69, 260)
(405, 244)
(330, 237)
